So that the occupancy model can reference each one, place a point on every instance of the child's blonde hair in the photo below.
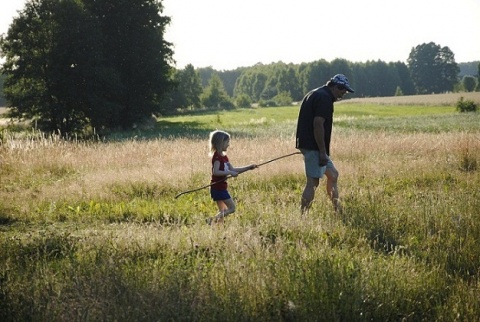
(217, 138)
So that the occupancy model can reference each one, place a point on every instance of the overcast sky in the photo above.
(226, 34)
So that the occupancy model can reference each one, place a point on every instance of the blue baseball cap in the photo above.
(340, 79)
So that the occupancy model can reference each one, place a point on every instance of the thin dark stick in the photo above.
(229, 176)
(283, 156)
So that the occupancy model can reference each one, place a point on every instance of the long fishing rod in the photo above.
(229, 176)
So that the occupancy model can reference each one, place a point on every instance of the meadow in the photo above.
(92, 231)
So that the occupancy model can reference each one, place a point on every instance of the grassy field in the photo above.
(91, 231)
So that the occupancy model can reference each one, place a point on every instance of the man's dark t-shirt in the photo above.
(318, 102)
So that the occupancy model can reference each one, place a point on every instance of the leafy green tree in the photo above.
(433, 68)
(405, 81)
(135, 49)
(478, 79)
(229, 78)
(469, 68)
(377, 78)
(206, 74)
(215, 96)
(192, 86)
(259, 82)
(243, 85)
(45, 74)
(76, 62)
(2, 98)
(314, 74)
(287, 81)
(270, 90)
(469, 83)
(362, 87)
(188, 88)
(373, 78)
(398, 91)
(281, 78)
(251, 83)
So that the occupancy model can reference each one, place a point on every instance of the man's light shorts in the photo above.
(312, 164)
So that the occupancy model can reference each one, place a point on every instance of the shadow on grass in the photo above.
(174, 130)
(6, 220)
(161, 129)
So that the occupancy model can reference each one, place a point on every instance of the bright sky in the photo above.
(226, 34)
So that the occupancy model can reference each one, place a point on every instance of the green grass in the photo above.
(384, 262)
(242, 122)
(372, 110)
(264, 121)
(433, 123)
(255, 116)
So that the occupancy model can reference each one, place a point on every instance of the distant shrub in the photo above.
(469, 83)
(243, 101)
(283, 99)
(267, 103)
(466, 105)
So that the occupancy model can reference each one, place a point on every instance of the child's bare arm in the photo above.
(217, 172)
(245, 168)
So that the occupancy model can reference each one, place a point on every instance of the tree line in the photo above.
(430, 68)
(105, 65)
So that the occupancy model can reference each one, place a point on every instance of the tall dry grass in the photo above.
(73, 169)
(49, 169)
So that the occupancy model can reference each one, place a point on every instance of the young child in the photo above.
(221, 168)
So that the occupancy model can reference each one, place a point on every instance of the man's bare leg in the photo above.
(332, 188)
(308, 194)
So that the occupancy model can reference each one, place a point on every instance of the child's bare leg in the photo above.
(222, 207)
(225, 208)
(228, 209)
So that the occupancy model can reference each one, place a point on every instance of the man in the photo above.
(314, 131)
